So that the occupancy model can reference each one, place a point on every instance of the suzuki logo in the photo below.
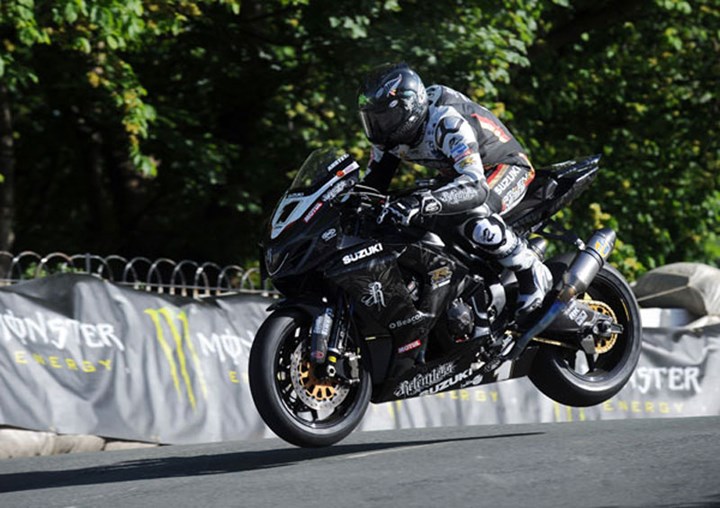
(367, 251)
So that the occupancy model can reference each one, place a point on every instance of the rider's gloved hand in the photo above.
(404, 210)
(411, 209)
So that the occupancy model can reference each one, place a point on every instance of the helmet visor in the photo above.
(379, 125)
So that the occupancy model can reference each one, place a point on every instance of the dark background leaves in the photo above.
(170, 128)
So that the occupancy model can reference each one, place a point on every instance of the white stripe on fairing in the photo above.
(304, 203)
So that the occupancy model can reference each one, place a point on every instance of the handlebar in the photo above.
(363, 206)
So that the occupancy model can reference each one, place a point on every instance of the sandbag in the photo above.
(691, 286)
(29, 443)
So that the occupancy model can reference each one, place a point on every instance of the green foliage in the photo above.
(220, 102)
(644, 94)
(105, 32)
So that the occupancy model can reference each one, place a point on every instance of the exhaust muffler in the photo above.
(576, 280)
(587, 264)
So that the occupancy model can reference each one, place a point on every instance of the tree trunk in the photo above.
(130, 194)
(7, 169)
(102, 221)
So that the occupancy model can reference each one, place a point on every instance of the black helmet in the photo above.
(393, 105)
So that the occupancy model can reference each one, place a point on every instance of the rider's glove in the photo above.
(410, 209)
(404, 210)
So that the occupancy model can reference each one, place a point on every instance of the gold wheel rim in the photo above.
(319, 390)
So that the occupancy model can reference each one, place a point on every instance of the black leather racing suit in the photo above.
(468, 143)
(490, 174)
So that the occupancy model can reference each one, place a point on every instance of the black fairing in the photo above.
(306, 250)
(551, 190)
(397, 286)
(306, 224)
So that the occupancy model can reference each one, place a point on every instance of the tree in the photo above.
(91, 39)
(641, 88)
(170, 128)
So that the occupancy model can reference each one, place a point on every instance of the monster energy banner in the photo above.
(79, 355)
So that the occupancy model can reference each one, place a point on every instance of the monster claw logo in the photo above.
(179, 328)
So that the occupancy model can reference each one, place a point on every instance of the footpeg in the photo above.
(492, 365)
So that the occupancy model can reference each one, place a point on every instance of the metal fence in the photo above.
(186, 277)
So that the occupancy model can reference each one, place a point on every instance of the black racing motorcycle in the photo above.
(362, 295)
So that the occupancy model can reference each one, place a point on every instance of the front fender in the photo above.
(309, 306)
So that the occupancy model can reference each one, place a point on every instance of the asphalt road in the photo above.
(658, 463)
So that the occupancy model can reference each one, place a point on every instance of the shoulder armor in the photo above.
(446, 126)
(434, 94)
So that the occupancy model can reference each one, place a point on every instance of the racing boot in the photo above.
(534, 278)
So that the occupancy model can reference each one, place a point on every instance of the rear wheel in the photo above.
(574, 378)
(298, 406)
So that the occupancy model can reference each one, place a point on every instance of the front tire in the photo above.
(561, 374)
(298, 407)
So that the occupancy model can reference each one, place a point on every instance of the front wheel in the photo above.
(575, 379)
(299, 407)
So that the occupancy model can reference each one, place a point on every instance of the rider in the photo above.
(441, 128)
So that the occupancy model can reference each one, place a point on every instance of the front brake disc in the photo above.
(318, 394)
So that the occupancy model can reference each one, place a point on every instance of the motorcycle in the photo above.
(374, 311)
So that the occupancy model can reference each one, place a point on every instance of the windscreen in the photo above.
(318, 168)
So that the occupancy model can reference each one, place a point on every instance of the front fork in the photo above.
(329, 354)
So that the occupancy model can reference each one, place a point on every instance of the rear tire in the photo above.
(555, 369)
(299, 408)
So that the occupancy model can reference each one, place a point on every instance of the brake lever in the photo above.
(383, 212)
